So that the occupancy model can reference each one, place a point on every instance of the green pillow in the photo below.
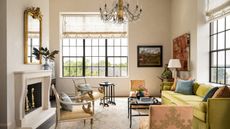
(203, 89)
(195, 87)
(184, 87)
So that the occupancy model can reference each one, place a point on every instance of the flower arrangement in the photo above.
(45, 53)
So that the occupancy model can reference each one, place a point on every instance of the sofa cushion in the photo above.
(222, 92)
(184, 87)
(210, 93)
(199, 109)
(203, 89)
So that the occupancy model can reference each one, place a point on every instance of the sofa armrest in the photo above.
(218, 113)
(166, 85)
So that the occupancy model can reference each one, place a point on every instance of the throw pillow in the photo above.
(66, 98)
(173, 87)
(203, 89)
(210, 93)
(184, 87)
(222, 92)
(195, 87)
(84, 88)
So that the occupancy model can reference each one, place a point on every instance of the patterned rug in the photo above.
(112, 117)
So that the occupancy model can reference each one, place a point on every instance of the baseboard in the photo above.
(6, 126)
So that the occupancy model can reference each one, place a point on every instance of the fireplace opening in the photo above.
(33, 98)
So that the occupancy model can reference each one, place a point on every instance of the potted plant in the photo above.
(46, 54)
(140, 92)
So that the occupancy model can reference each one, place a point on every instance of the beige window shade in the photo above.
(90, 25)
(217, 9)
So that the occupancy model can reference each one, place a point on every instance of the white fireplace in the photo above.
(33, 119)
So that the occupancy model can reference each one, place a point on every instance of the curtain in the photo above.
(217, 9)
(90, 25)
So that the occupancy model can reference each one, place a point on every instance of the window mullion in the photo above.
(83, 60)
(106, 58)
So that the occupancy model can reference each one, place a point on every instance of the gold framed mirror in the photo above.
(32, 34)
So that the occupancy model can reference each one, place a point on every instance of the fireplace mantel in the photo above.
(37, 117)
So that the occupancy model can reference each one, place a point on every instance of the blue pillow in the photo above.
(210, 93)
(184, 87)
(66, 98)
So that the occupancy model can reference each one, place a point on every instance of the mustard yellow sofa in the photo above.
(213, 114)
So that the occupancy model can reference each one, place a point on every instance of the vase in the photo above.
(46, 65)
(167, 73)
(139, 94)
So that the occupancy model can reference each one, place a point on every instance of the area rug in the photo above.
(112, 117)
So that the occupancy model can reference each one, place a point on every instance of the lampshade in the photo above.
(174, 63)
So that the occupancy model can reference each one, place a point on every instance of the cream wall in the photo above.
(152, 29)
(187, 16)
(15, 10)
(3, 65)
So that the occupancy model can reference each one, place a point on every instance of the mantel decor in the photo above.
(149, 56)
(181, 51)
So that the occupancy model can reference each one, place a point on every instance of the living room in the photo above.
(160, 22)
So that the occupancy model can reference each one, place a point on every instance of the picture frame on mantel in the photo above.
(149, 56)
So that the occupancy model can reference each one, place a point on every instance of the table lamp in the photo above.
(174, 64)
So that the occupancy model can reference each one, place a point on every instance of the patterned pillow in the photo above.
(222, 92)
(66, 98)
(210, 93)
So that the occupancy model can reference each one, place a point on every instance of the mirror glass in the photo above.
(32, 34)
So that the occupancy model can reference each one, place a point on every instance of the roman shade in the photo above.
(89, 26)
(217, 9)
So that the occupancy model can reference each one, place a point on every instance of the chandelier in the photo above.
(120, 13)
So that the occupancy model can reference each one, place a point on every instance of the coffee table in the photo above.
(134, 103)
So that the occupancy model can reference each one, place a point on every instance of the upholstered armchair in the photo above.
(79, 110)
(136, 85)
(86, 91)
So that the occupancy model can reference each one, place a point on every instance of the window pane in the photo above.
(117, 51)
(124, 42)
(124, 62)
(214, 59)
(87, 51)
(110, 62)
(88, 71)
(72, 42)
(73, 71)
(213, 42)
(73, 51)
(221, 41)
(228, 60)
(79, 51)
(110, 71)
(88, 42)
(117, 42)
(117, 61)
(101, 51)
(94, 61)
(94, 71)
(124, 71)
(117, 72)
(228, 39)
(35, 41)
(124, 51)
(228, 76)
(101, 42)
(221, 73)
(88, 61)
(65, 42)
(101, 61)
(221, 24)
(228, 22)
(66, 72)
(72, 62)
(94, 51)
(221, 59)
(66, 62)
(65, 51)
(79, 42)
(110, 51)
(213, 75)
(101, 71)
(79, 71)
(79, 62)
(95, 42)
(110, 42)
(213, 27)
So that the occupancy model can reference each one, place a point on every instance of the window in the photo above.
(220, 51)
(93, 48)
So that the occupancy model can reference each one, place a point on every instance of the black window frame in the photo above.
(218, 68)
(106, 58)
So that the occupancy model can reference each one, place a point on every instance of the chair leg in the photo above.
(84, 122)
(91, 123)
(93, 106)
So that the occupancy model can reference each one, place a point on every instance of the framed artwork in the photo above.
(149, 56)
(181, 50)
